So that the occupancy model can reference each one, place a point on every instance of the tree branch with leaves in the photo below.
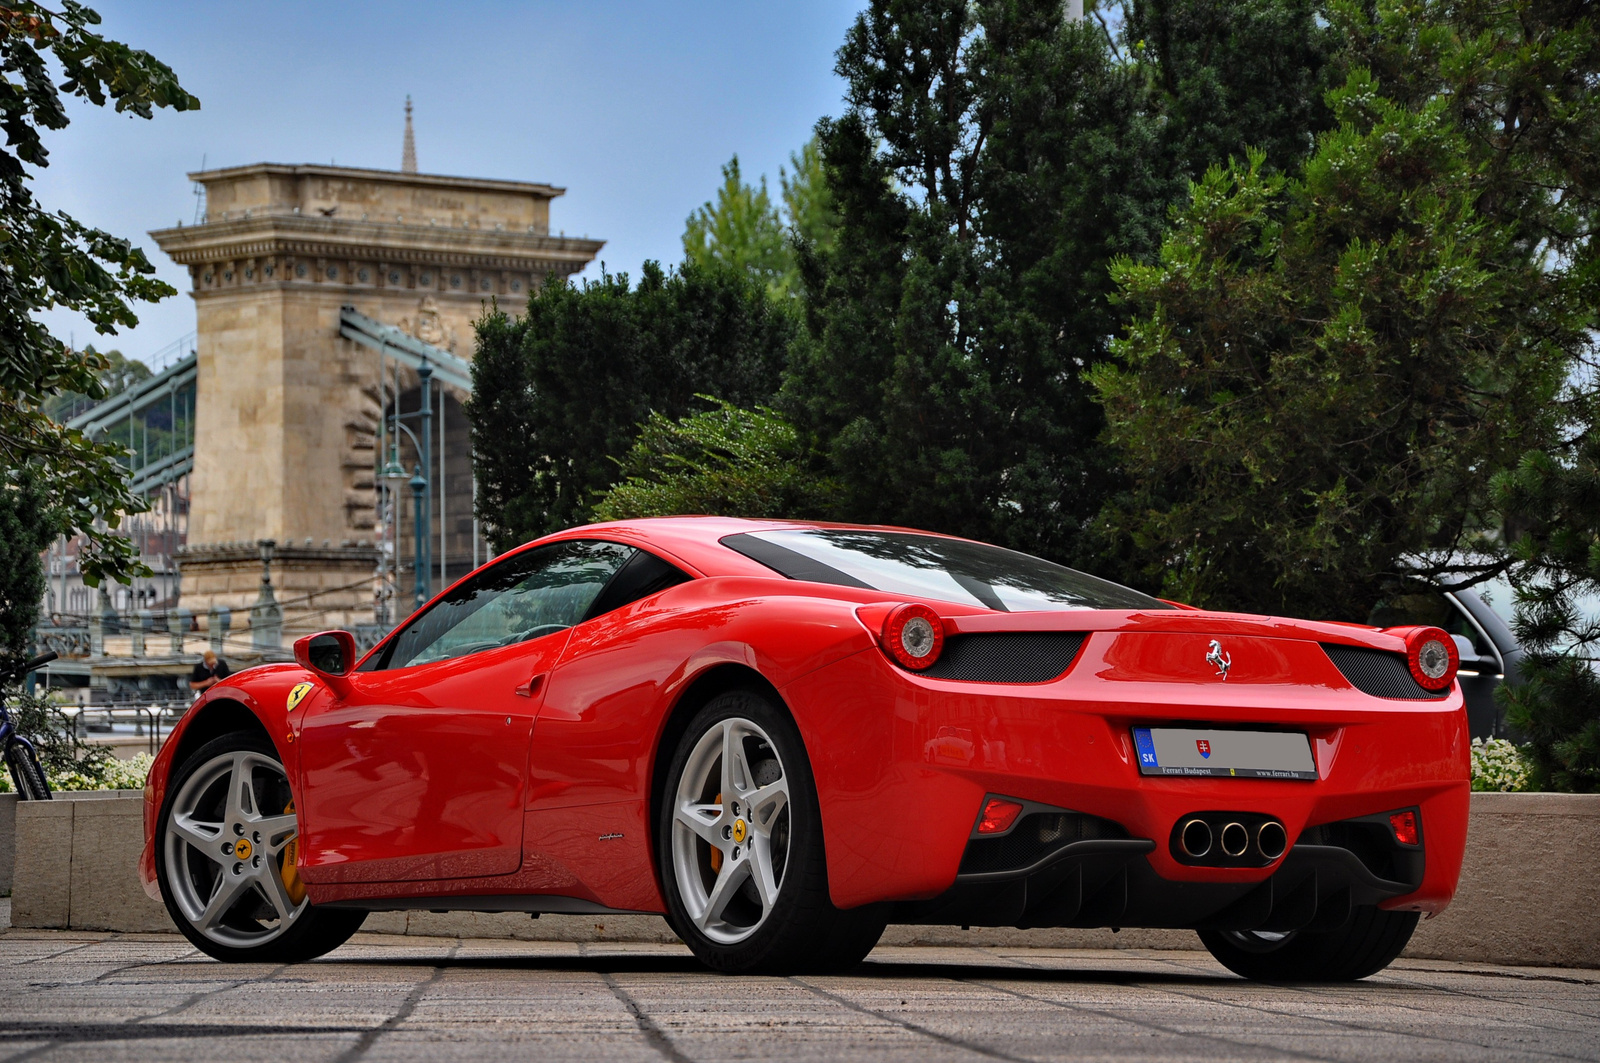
(49, 260)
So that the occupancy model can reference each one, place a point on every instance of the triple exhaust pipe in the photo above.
(1229, 839)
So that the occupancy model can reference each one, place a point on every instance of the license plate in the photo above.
(1235, 754)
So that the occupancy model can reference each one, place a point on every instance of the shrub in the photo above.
(1499, 766)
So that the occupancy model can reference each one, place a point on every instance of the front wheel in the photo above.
(1367, 943)
(740, 847)
(225, 859)
(26, 775)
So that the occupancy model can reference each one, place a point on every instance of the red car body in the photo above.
(527, 777)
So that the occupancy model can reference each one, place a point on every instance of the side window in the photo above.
(534, 593)
(642, 576)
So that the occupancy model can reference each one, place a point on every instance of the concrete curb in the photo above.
(1528, 893)
(8, 841)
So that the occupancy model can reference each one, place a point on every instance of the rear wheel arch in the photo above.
(705, 686)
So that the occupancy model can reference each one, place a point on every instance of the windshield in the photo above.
(927, 566)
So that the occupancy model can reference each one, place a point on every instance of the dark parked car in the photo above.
(1490, 653)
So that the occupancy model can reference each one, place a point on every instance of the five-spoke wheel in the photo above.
(741, 848)
(730, 834)
(226, 858)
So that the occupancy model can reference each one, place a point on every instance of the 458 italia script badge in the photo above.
(1219, 660)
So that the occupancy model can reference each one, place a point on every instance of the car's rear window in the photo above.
(927, 566)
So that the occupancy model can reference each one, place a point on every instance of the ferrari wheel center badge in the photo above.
(739, 831)
(241, 849)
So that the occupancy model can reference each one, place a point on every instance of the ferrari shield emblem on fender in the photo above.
(297, 695)
(1204, 747)
(1219, 660)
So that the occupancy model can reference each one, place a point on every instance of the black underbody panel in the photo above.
(1102, 881)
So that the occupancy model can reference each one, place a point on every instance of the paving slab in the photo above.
(110, 997)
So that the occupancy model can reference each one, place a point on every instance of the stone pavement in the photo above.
(70, 995)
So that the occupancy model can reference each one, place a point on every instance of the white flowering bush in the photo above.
(1499, 766)
(109, 774)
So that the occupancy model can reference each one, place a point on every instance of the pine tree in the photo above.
(992, 161)
(560, 394)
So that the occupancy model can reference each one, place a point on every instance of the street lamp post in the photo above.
(425, 515)
(266, 618)
(418, 486)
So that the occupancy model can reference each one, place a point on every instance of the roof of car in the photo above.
(696, 541)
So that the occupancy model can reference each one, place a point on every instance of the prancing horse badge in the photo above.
(1221, 661)
(297, 695)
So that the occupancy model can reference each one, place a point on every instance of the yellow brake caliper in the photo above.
(716, 854)
(289, 869)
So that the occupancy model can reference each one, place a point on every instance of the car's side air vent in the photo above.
(1007, 656)
(1379, 673)
(1034, 837)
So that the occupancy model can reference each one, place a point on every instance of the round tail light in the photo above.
(913, 635)
(1432, 657)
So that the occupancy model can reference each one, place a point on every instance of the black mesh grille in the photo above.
(1007, 657)
(1379, 673)
(1033, 838)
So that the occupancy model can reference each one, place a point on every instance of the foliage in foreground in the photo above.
(556, 392)
(79, 765)
(49, 260)
(724, 461)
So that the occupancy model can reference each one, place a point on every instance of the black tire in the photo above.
(245, 924)
(27, 778)
(800, 931)
(1367, 943)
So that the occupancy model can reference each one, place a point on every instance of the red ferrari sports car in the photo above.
(784, 735)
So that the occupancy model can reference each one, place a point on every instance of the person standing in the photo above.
(208, 673)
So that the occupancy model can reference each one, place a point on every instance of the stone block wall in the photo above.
(77, 864)
(1529, 894)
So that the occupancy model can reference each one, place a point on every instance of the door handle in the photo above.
(531, 687)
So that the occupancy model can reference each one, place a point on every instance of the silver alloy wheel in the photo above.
(730, 830)
(224, 852)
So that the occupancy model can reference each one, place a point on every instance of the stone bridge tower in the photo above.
(287, 411)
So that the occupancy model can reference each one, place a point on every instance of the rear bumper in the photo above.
(903, 764)
(1111, 882)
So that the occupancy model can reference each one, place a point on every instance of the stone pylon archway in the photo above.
(287, 412)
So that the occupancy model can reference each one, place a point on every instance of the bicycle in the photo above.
(27, 777)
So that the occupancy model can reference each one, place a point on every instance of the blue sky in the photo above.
(631, 106)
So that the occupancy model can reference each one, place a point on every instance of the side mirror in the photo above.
(1471, 661)
(331, 654)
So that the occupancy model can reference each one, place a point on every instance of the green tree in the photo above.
(744, 229)
(26, 527)
(741, 230)
(119, 375)
(557, 392)
(992, 161)
(50, 260)
(1556, 708)
(807, 205)
(725, 461)
(1525, 76)
(1324, 372)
